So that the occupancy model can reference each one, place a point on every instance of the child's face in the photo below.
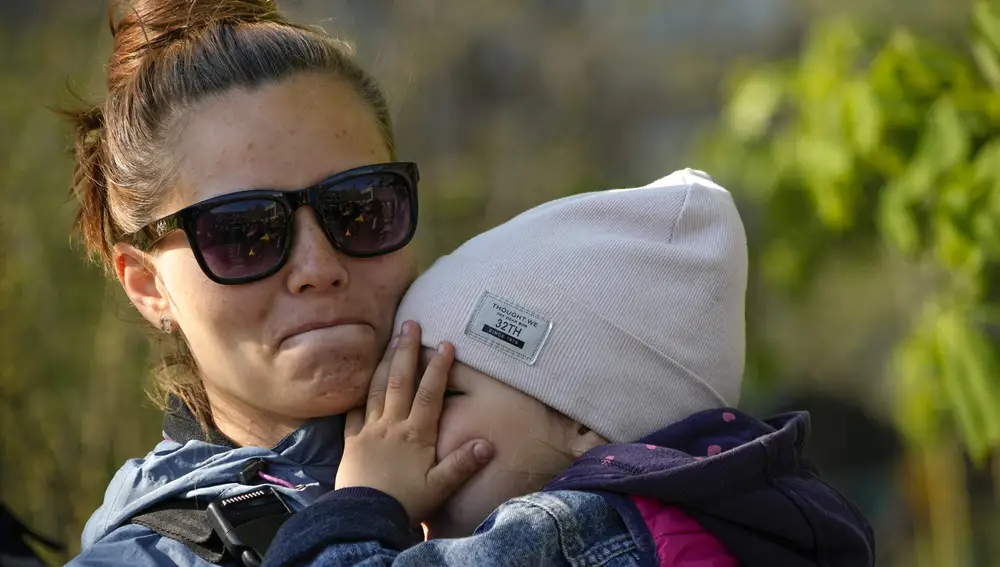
(531, 442)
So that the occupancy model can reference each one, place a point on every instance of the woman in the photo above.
(240, 179)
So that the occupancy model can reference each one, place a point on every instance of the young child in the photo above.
(600, 349)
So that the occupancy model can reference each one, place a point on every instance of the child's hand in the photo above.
(391, 444)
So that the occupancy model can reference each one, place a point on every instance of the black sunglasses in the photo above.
(246, 236)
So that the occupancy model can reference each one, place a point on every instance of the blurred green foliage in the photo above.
(873, 141)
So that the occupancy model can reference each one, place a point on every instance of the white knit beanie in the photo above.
(622, 309)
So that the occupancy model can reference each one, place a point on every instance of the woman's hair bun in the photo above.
(139, 26)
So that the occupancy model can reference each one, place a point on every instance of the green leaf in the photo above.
(986, 218)
(864, 116)
(959, 194)
(986, 227)
(954, 248)
(826, 167)
(986, 166)
(784, 151)
(945, 139)
(897, 223)
(987, 61)
(963, 407)
(924, 69)
(885, 77)
(918, 400)
(987, 22)
(967, 372)
(834, 205)
(754, 104)
(982, 372)
(830, 53)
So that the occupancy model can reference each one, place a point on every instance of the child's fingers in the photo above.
(429, 399)
(458, 467)
(354, 422)
(376, 389)
(402, 374)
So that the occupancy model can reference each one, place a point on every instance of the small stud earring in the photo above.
(166, 324)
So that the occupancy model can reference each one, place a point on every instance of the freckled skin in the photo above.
(286, 135)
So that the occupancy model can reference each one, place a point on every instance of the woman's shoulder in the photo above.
(170, 470)
(137, 546)
(177, 473)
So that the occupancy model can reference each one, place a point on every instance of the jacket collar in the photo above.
(180, 425)
(319, 442)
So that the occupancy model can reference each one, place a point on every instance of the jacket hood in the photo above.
(190, 464)
(742, 479)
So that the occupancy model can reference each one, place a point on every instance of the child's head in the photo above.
(621, 310)
(531, 443)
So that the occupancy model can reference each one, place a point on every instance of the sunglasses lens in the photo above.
(242, 239)
(369, 214)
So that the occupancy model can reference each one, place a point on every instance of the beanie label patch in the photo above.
(508, 328)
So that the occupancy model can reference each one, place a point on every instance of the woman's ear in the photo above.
(137, 274)
(584, 439)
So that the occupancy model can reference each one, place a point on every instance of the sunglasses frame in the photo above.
(147, 237)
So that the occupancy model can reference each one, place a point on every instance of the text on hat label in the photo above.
(508, 327)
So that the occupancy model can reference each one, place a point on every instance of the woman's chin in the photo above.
(324, 377)
(333, 398)
(323, 392)
(333, 351)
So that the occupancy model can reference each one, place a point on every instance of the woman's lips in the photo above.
(300, 332)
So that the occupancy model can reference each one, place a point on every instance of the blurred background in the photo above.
(861, 139)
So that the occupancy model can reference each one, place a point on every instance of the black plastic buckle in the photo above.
(248, 522)
(248, 475)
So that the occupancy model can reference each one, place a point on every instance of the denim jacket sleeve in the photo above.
(137, 546)
(365, 527)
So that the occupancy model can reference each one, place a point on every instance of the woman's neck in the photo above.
(249, 426)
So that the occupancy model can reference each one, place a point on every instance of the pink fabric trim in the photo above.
(680, 540)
